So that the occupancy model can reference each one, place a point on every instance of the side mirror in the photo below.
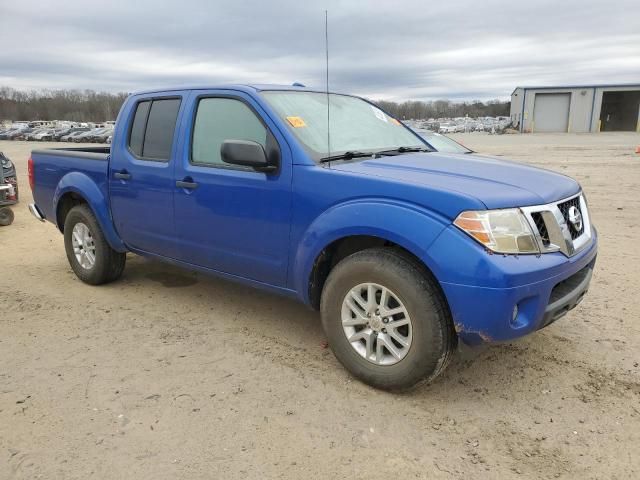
(246, 153)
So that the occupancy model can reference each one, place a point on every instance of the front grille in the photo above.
(553, 229)
(542, 227)
(564, 209)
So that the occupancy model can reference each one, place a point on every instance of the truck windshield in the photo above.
(356, 125)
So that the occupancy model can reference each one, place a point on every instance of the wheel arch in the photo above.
(76, 188)
(331, 238)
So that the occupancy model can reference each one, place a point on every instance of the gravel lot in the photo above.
(168, 374)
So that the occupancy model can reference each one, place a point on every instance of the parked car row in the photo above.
(58, 134)
(462, 124)
(96, 135)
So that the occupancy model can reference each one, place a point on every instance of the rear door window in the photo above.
(153, 128)
(137, 128)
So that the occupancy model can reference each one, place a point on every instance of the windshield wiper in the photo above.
(399, 150)
(345, 156)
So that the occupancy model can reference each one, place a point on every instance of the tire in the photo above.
(6, 216)
(430, 334)
(107, 264)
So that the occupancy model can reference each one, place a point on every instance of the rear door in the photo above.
(230, 218)
(141, 175)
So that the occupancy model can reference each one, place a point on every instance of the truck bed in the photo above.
(51, 166)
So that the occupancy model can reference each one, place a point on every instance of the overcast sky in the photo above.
(382, 49)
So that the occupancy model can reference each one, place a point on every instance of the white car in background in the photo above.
(447, 127)
(42, 135)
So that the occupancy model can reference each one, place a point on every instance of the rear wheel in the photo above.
(90, 255)
(6, 216)
(386, 319)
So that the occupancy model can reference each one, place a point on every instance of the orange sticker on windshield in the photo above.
(395, 122)
(296, 122)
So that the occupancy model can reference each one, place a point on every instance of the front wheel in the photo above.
(90, 255)
(386, 320)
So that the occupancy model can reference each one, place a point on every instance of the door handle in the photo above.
(123, 175)
(186, 184)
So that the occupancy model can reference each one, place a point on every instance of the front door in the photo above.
(230, 218)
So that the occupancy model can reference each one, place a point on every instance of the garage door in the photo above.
(551, 112)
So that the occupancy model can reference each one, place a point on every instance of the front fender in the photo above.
(84, 186)
(410, 226)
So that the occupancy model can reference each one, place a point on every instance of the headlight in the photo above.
(7, 164)
(502, 231)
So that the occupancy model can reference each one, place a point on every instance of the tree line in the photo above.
(91, 106)
(76, 105)
(446, 109)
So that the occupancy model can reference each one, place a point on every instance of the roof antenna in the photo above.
(326, 47)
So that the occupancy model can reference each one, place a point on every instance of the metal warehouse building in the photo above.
(586, 108)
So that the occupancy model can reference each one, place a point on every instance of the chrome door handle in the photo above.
(184, 184)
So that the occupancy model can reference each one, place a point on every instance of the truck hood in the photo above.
(496, 183)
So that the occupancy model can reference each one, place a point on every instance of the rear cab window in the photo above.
(153, 128)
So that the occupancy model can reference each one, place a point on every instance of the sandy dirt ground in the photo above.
(167, 374)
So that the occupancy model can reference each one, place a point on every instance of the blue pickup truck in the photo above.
(405, 251)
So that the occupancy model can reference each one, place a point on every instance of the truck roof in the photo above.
(243, 87)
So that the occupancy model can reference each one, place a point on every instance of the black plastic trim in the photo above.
(87, 153)
(561, 306)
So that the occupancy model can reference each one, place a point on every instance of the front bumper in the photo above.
(501, 297)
